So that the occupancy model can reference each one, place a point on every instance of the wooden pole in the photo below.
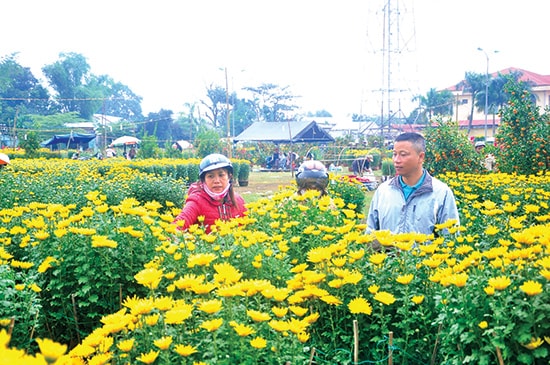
(12, 324)
(311, 355)
(434, 353)
(75, 318)
(390, 349)
(355, 342)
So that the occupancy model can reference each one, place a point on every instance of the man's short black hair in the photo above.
(415, 138)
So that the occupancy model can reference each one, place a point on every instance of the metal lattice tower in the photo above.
(392, 75)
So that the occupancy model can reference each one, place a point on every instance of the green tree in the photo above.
(433, 103)
(523, 133)
(218, 102)
(20, 93)
(207, 142)
(273, 103)
(449, 149)
(473, 83)
(49, 125)
(159, 125)
(78, 90)
(149, 147)
(30, 143)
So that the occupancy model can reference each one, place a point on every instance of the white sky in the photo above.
(169, 51)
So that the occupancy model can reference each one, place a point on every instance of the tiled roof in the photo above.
(527, 76)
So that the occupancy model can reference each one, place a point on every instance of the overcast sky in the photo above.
(327, 52)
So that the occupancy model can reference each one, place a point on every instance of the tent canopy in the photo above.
(71, 139)
(285, 132)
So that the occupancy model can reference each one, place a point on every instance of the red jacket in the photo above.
(199, 203)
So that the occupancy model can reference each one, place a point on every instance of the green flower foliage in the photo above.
(449, 150)
(523, 133)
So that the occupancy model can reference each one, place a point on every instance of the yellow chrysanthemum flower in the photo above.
(535, 343)
(242, 329)
(149, 357)
(163, 343)
(377, 258)
(258, 316)
(149, 277)
(360, 305)
(417, 299)
(384, 297)
(279, 311)
(210, 306)
(212, 324)
(531, 288)
(126, 345)
(51, 350)
(405, 279)
(483, 325)
(258, 343)
(500, 282)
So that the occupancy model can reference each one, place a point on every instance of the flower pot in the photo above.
(243, 182)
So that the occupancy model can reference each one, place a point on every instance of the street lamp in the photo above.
(486, 86)
(227, 112)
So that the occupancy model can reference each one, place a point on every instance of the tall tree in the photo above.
(158, 125)
(217, 104)
(274, 103)
(433, 103)
(20, 93)
(473, 83)
(78, 90)
(118, 99)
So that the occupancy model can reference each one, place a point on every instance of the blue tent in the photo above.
(71, 140)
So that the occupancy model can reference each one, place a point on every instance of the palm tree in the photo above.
(434, 103)
(473, 83)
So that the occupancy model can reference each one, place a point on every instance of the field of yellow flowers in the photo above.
(108, 279)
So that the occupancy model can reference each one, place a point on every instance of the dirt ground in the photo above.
(265, 182)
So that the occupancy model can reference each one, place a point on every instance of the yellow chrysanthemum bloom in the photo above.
(242, 329)
(405, 279)
(212, 324)
(384, 297)
(280, 312)
(535, 343)
(258, 316)
(360, 305)
(297, 310)
(489, 290)
(149, 357)
(500, 282)
(483, 325)
(258, 343)
(279, 326)
(377, 258)
(163, 343)
(201, 259)
(531, 288)
(149, 277)
(303, 337)
(178, 315)
(126, 345)
(492, 230)
(51, 350)
(373, 289)
(417, 299)
(210, 306)
(99, 241)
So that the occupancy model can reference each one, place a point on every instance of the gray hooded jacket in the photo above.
(432, 203)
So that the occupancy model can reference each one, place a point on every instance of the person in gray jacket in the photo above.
(413, 200)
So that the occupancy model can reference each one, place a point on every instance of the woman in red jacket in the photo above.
(212, 197)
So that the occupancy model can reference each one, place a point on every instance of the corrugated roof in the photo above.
(285, 132)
